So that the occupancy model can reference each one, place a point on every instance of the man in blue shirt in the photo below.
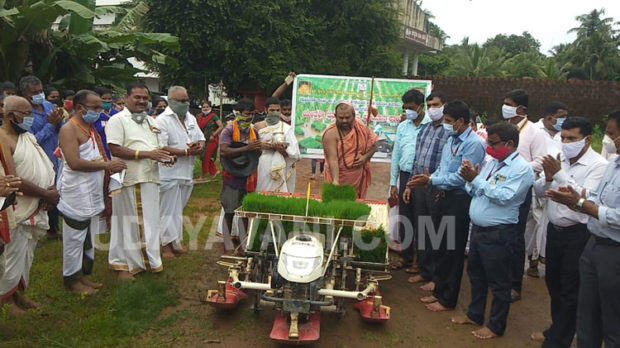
(402, 162)
(431, 141)
(450, 220)
(598, 306)
(108, 111)
(497, 193)
(47, 123)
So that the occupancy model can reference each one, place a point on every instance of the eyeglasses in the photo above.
(25, 113)
(492, 144)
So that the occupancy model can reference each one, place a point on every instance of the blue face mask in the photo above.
(90, 116)
(558, 123)
(26, 123)
(449, 128)
(38, 99)
(412, 115)
(106, 105)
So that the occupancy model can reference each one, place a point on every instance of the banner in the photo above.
(315, 97)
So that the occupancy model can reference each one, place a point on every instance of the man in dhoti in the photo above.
(26, 159)
(280, 151)
(9, 185)
(348, 145)
(82, 191)
(133, 137)
(181, 137)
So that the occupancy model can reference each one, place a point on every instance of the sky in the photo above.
(547, 20)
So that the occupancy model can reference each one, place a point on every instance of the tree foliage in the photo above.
(513, 45)
(253, 44)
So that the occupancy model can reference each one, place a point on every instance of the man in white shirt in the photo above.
(134, 237)
(582, 168)
(531, 147)
(536, 226)
(182, 138)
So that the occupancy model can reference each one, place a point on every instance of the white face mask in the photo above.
(572, 150)
(435, 113)
(609, 145)
(509, 111)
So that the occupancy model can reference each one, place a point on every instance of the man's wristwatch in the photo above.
(579, 205)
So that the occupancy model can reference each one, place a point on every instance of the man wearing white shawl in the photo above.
(82, 191)
(37, 179)
(135, 232)
(281, 152)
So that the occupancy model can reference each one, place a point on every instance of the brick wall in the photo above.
(592, 99)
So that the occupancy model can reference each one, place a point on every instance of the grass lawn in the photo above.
(121, 313)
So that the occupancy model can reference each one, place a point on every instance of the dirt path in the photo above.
(411, 324)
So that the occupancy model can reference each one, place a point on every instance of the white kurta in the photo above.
(81, 199)
(176, 181)
(32, 164)
(274, 169)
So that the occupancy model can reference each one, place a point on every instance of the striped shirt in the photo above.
(431, 140)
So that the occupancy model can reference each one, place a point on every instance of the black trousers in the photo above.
(423, 200)
(564, 248)
(598, 308)
(449, 258)
(406, 229)
(518, 261)
(489, 266)
(52, 215)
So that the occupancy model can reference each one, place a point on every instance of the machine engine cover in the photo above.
(301, 259)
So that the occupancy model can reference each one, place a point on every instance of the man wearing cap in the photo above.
(239, 153)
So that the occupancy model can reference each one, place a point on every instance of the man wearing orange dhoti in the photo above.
(348, 145)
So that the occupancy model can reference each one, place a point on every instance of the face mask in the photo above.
(149, 105)
(509, 111)
(38, 99)
(138, 117)
(106, 105)
(498, 154)
(609, 144)
(449, 128)
(69, 104)
(411, 114)
(244, 122)
(572, 150)
(286, 119)
(159, 111)
(435, 113)
(90, 116)
(558, 123)
(272, 118)
(24, 126)
(55, 101)
(179, 108)
(206, 111)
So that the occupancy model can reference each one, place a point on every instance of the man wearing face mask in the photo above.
(181, 137)
(107, 111)
(451, 205)
(67, 102)
(598, 303)
(28, 161)
(582, 168)
(497, 192)
(45, 127)
(403, 154)
(287, 111)
(240, 148)
(609, 146)
(52, 95)
(535, 228)
(532, 147)
(431, 141)
(280, 151)
(133, 138)
(81, 184)
(348, 146)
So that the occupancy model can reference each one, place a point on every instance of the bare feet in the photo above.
(430, 286)
(167, 252)
(11, 306)
(537, 337)
(24, 302)
(80, 288)
(437, 307)
(124, 275)
(90, 283)
(416, 279)
(428, 299)
(484, 334)
(463, 320)
(179, 249)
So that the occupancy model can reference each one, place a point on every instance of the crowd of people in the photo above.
(497, 193)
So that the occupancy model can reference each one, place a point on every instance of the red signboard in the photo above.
(416, 35)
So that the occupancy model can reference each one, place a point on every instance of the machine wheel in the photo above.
(259, 275)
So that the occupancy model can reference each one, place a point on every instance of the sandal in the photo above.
(412, 270)
(399, 265)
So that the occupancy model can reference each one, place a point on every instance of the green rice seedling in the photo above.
(331, 192)
(369, 237)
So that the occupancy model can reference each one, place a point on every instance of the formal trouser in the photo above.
(406, 229)
(488, 267)
(518, 261)
(313, 166)
(423, 200)
(598, 307)
(564, 247)
(451, 222)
